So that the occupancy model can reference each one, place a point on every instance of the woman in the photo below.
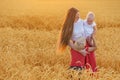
(73, 29)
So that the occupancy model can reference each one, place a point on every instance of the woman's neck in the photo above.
(76, 20)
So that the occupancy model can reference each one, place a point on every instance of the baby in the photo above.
(90, 27)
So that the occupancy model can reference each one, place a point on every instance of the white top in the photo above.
(89, 29)
(78, 30)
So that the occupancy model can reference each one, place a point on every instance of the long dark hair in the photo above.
(67, 29)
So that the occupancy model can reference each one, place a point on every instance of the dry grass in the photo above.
(28, 36)
(48, 22)
(30, 55)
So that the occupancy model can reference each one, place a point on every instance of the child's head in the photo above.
(90, 17)
(80, 43)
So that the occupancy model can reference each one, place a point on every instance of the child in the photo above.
(90, 30)
(90, 27)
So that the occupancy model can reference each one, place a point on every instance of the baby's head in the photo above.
(80, 43)
(90, 17)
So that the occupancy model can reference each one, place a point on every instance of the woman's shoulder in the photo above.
(80, 21)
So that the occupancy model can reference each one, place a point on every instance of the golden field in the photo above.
(29, 31)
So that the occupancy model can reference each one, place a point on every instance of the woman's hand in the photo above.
(90, 49)
(83, 52)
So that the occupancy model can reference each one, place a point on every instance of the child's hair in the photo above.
(90, 15)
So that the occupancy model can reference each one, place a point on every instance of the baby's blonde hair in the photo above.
(90, 15)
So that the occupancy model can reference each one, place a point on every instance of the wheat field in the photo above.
(29, 31)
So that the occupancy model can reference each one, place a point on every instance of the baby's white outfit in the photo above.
(89, 29)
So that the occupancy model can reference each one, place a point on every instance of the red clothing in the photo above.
(77, 58)
(88, 61)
